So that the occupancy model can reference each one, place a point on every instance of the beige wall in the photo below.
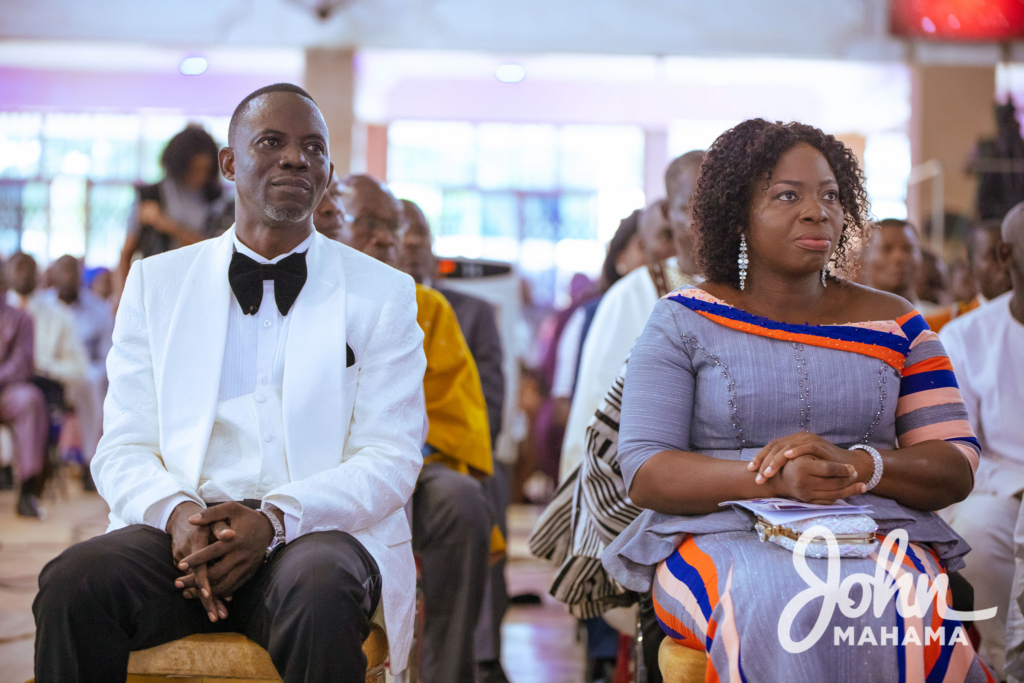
(951, 107)
(377, 151)
(331, 81)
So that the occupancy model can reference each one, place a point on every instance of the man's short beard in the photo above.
(287, 215)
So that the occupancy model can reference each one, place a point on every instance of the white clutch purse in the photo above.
(855, 534)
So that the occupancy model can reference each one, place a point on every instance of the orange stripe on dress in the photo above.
(689, 638)
(681, 593)
(927, 365)
(905, 317)
(704, 565)
(894, 359)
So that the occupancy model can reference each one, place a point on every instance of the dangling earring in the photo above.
(823, 271)
(743, 261)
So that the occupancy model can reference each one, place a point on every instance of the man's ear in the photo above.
(226, 157)
(1004, 252)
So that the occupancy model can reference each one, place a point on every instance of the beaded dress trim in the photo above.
(886, 340)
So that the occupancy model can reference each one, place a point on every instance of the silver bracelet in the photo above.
(876, 457)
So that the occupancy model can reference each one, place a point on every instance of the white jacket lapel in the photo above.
(314, 366)
(190, 375)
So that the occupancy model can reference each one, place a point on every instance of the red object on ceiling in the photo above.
(958, 20)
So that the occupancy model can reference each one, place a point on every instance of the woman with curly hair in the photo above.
(778, 378)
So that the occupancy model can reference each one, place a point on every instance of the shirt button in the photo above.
(260, 398)
(266, 480)
(268, 437)
(264, 379)
(266, 323)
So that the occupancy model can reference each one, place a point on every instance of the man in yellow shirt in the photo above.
(451, 516)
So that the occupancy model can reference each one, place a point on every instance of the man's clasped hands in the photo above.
(217, 549)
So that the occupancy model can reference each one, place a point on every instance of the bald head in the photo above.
(1011, 254)
(415, 246)
(413, 216)
(683, 166)
(680, 180)
(372, 217)
(1013, 227)
(252, 99)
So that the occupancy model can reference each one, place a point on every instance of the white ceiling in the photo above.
(850, 29)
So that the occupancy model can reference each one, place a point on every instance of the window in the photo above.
(67, 179)
(547, 198)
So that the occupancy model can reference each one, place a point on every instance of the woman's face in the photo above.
(631, 258)
(796, 223)
(198, 173)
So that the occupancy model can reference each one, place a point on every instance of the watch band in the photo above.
(876, 457)
(279, 536)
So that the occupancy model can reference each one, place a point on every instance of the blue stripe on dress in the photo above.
(901, 652)
(669, 631)
(933, 379)
(967, 439)
(914, 327)
(938, 672)
(915, 559)
(861, 335)
(685, 572)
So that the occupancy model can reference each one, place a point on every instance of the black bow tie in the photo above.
(246, 277)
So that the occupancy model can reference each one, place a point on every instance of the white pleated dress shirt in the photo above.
(986, 348)
(246, 457)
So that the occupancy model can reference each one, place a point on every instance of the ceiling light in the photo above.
(193, 66)
(510, 73)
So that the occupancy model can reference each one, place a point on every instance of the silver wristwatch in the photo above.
(278, 533)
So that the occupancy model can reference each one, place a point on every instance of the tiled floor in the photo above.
(539, 641)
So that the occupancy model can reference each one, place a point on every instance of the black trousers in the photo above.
(451, 531)
(309, 606)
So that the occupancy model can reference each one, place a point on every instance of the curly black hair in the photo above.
(192, 142)
(744, 157)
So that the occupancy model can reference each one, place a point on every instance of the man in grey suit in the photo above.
(479, 327)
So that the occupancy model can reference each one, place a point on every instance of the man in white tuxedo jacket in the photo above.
(262, 434)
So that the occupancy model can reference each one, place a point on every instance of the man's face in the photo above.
(656, 234)
(329, 217)
(894, 258)
(66, 278)
(279, 162)
(415, 251)
(677, 208)
(23, 274)
(102, 286)
(372, 220)
(990, 273)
